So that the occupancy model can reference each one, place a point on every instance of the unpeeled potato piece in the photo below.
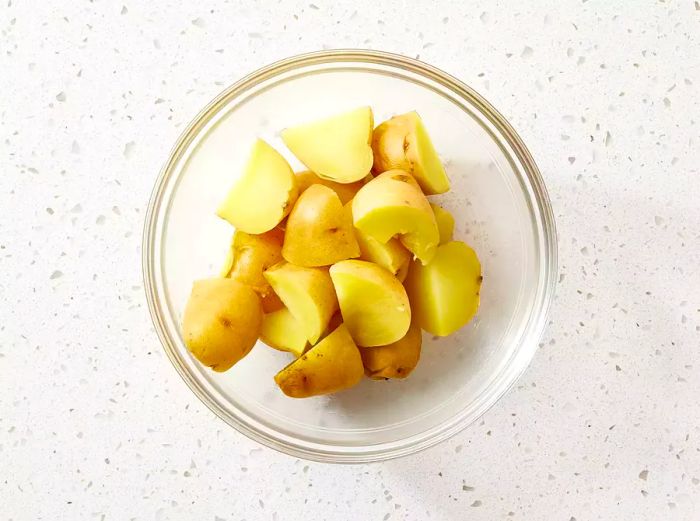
(319, 230)
(444, 294)
(336, 148)
(221, 322)
(330, 366)
(250, 255)
(392, 204)
(403, 142)
(445, 223)
(308, 294)
(263, 195)
(280, 330)
(395, 360)
(345, 191)
(373, 302)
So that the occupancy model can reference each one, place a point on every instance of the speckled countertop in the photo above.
(96, 424)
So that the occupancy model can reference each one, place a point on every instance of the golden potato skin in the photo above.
(221, 322)
(396, 360)
(403, 142)
(330, 366)
(319, 230)
(251, 255)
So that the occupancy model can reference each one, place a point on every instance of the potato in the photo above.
(282, 331)
(445, 223)
(402, 273)
(250, 255)
(331, 365)
(319, 230)
(402, 142)
(396, 360)
(308, 294)
(263, 195)
(345, 191)
(373, 302)
(336, 148)
(271, 302)
(390, 255)
(221, 322)
(392, 204)
(333, 323)
(444, 294)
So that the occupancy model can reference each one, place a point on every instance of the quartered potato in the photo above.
(343, 265)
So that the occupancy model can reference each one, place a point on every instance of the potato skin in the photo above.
(319, 230)
(396, 360)
(221, 322)
(330, 366)
(251, 255)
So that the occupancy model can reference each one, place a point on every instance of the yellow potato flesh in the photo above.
(250, 255)
(308, 294)
(445, 223)
(319, 230)
(390, 255)
(282, 331)
(403, 142)
(396, 360)
(392, 204)
(264, 194)
(221, 322)
(444, 294)
(336, 148)
(330, 366)
(345, 191)
(373, 302)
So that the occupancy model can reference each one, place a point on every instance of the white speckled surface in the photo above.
(96, 424)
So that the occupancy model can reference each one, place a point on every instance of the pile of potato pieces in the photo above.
(341, 265)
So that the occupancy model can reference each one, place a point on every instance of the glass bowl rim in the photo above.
(528, 342)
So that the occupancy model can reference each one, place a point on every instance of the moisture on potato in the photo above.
(263, 195)
(444, 294)
(331, 365)
(403, 142)
(392, 204)
(373, 302)
(395, 360)
(337, 148)
(282, 331)
(319, 230)
(308, 294)
(221, 322)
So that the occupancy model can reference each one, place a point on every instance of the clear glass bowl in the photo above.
(501, 208)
